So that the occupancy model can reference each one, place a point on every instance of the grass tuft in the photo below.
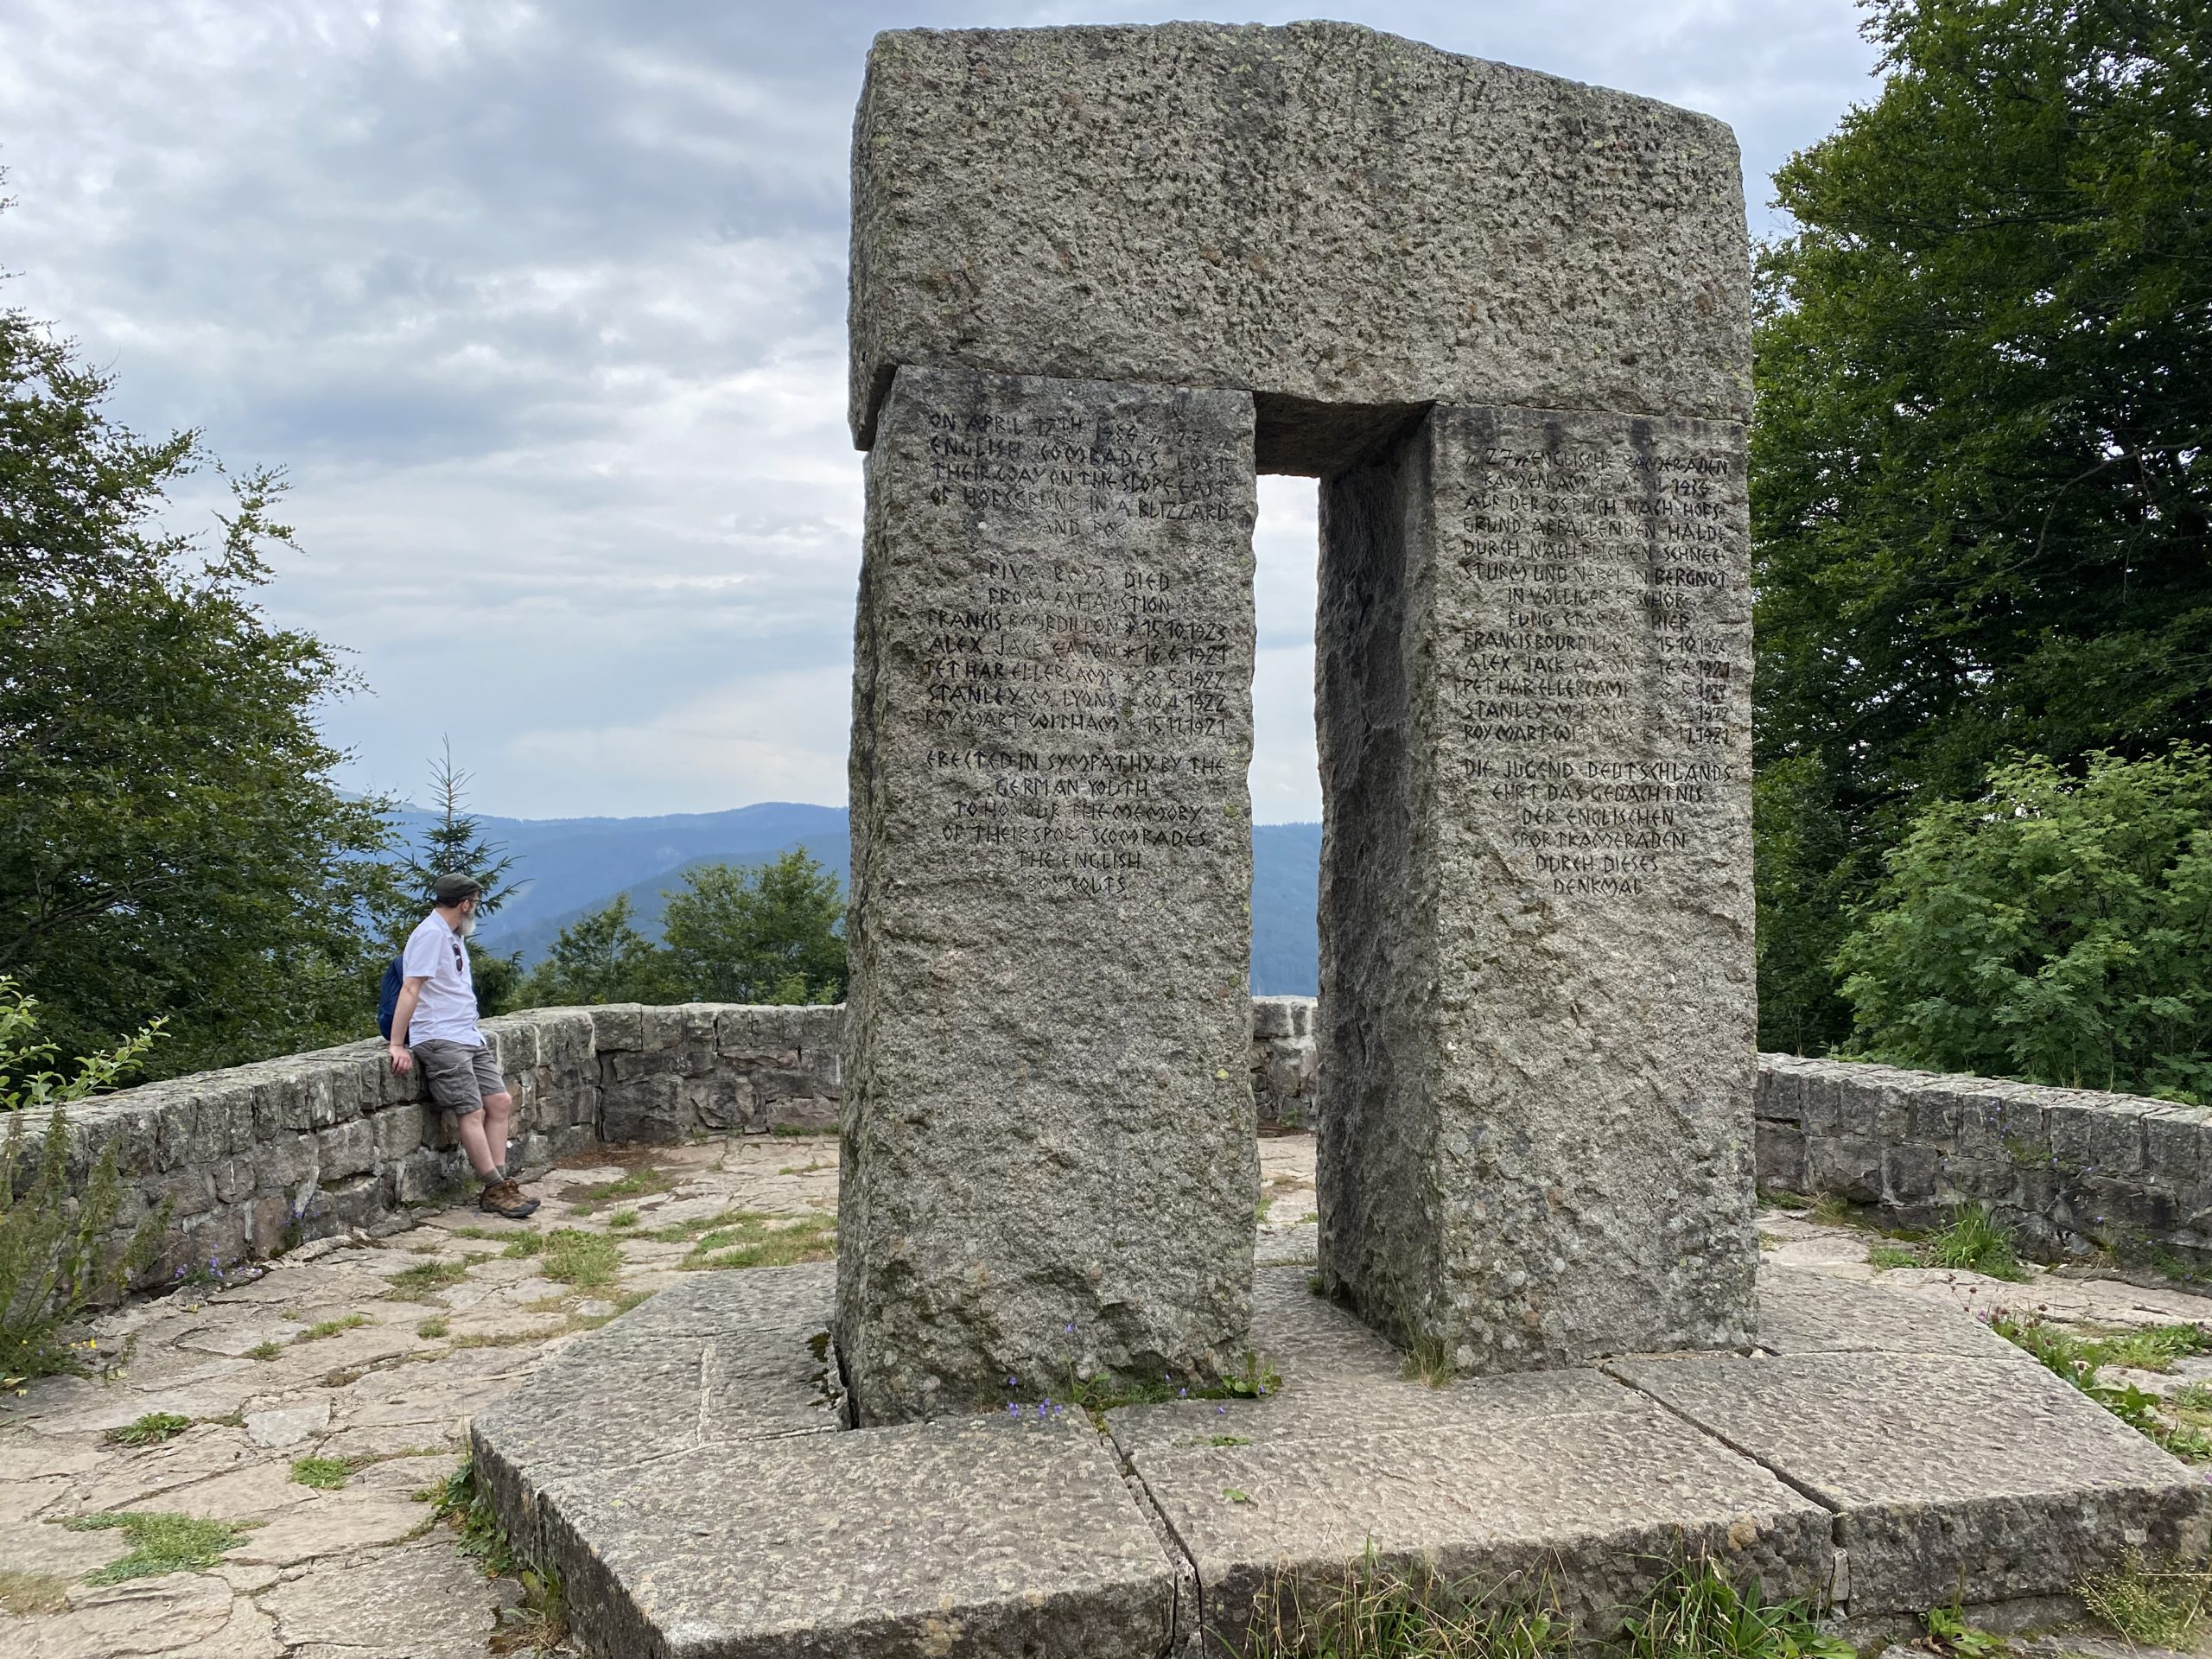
(576, 1257)
(1384, 1612)
(1695, 1613)
(2182, 1425)
(150, 1430)
(265, 1351)
(752, 1239)
(1974, 1242)
(523, 1246)
(322, 1328)
(324, 1474)
(435, 1327)
(1892, 1255)
(416, 1283)
(2153, 1607)
(620, 1220)
(158, 1544)
(1429, 1361)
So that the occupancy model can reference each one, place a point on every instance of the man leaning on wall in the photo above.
(435, 1025)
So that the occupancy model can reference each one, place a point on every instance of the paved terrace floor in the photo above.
(372, 1355)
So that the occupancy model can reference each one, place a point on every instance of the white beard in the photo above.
(469, 925)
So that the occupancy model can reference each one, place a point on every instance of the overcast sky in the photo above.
(543, 309)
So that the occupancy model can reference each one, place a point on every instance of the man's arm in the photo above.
(410, 992)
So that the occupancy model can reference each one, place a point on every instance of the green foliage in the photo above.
(454, 844)
(1949, 1633)
(323, 1474)
(763, 934)
(460, 1503)
(158, 1544)
(150, 1430)
(2179, 1424)
(601, 957)
(1976, 1243)
(416, 1283)
(746, 1239)
(172, 840)
(2153, 1607)
(1410, 1612)
(586, 1260)
(323, 1328)
(52, 1266)
(1695, 1613)
(1980, 507)
(2056, 929)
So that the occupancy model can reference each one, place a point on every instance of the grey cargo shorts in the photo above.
(457, 1076)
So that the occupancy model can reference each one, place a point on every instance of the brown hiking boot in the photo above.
(504, 1197)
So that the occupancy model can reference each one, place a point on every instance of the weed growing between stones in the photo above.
(25, 1593)
(415, 1284)
(52, 1264)
(1387, 1612)
(1975, 1244)
(2153, 1607)
(323, 1328)
(523, 1246)
(150, 1430)
(1428, 1361)
(1694, 1613)
(540, 1622)
(1892, 1255)
(576, 1257)
(2182, 1425)
(1948, 1633)
(324, 1474)
(620, 1220)
(265, 1351)
(159, 1543)
(645, 1181)
(431, 1329)
(753, 1238)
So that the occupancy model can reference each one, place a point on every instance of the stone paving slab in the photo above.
(1983, 1479)
(1597, 1497)
(978, 1537)
(719, 1356)
(1807, 1313)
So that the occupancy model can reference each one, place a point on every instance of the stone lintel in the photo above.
(1346, 224)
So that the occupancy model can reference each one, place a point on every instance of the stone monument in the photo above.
(1099, 276)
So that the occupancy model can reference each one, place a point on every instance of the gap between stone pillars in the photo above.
(1049, 1165)
(1536, 1019)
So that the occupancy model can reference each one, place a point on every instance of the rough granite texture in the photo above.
(1979, 1479)
(1346, 224)
(983, 1537)
(1052, 673)
(1536, 1019)
(1594, 1489)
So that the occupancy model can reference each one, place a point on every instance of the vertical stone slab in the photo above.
(1537, 1005)
(1048, 1161)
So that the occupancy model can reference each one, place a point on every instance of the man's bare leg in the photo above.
(498, 1115)
(475, 1141)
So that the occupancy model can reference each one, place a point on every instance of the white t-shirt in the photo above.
(446, 1009)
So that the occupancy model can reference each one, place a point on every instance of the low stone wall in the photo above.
(2066, 1171)
(255, 1159)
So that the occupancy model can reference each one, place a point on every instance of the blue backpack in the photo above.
(388, 996)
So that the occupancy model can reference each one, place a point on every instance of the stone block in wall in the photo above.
(1849, 1168)
(722, 1101)
(287, 1162)
(1935, 1110)
(1821, 1101)
(647, 1109)
(353, 1203)
(2116, 1209)
(659, 1028)
(398, 1130)
(1780, 1161)
(235, 1179)
(217, 1239)
(2116, 1135)
(188, 1192)
(515, 1041)
(419, 1177)
(327, 1104)
(1276, 1017)
(630, 1066)
(618, 1026)
(2003, 1121)
(1912, 1173)
(2070, 1123)
(1779, 1095)
(2174, 1140)
(345, 1150)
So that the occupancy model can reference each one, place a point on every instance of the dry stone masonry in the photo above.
(1504, 317)
(1049, 1162)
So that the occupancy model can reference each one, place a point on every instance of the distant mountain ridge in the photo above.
(566, 868)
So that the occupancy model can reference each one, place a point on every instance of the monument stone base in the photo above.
(686, 1472)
